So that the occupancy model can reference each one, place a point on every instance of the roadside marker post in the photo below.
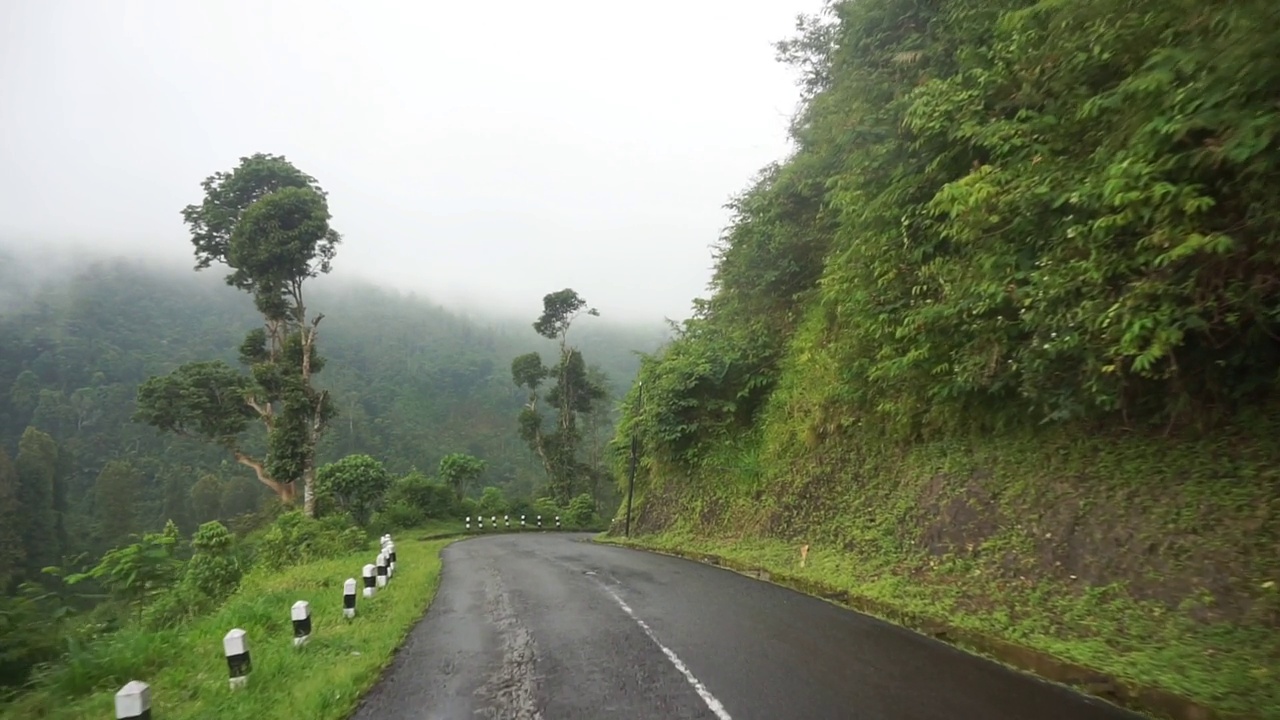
(236, 647)
(133, 701)
(381, 565)
(301, 615)
(369, 582)
(349, 598)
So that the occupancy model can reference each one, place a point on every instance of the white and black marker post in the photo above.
(349, 598)
(382, 570)
(468, 523)
(507, 518)
(301, 615)
(236, 647)
(521, 521)
(539, 521)
(391, 558)
(557, 522)
(369, 572)
(493, 522)
(134, 701)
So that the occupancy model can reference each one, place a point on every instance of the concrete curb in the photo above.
(1148, 700)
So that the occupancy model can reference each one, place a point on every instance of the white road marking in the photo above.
(698, 687)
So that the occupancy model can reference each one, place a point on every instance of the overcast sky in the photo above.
(473, 152)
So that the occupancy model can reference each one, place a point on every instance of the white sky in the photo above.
(474, 152)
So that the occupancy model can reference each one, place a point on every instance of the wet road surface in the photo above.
(554, 627)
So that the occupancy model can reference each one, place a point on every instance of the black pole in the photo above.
(635, 448)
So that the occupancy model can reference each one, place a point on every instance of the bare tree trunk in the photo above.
(317, 425)
(308, 491)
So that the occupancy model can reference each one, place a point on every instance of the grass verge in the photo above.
(187, 672)
(1200, 657)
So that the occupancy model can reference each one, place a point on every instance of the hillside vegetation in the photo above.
(999, 342)
(411, 382)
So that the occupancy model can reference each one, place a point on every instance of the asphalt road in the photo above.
(554, 627)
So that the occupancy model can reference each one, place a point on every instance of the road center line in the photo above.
(698, 687)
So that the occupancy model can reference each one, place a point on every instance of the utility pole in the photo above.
(635, 450)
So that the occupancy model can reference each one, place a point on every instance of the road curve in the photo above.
(554, 627)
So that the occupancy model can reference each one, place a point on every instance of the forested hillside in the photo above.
(999, 341)
(411, 380)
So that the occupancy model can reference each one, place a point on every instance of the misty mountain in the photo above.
(412, 380)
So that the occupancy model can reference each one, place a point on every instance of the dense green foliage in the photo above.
(356, 485)
(1030, 226)
(1000, 214)
(458, 470)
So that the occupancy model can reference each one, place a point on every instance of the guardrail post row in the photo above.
(369, 588)
(349, 598)
(301, 615)
(236, 647)
(133, 701)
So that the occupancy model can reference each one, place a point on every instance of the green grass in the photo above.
(187, 672)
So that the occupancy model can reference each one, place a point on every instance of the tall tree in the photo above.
(12, 552)
(573, 393)
(116, 495)
(37, 465)
(268, 222)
